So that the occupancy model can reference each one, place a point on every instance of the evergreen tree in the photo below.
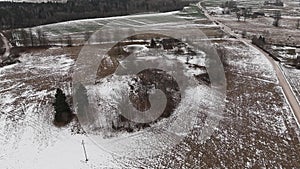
(153, 44)
(82, 99)
(63, 113)
(82, 105)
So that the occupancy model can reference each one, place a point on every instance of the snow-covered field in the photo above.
(81, 30)
(28, 138)
(257, 129)
(78, 29)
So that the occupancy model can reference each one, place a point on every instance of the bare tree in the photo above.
(87, 36)
(42, 39)
(69, 41)
(45, 41)
(31, 37)
(24, 37)
(11, 35)
(238, 15)
(39, 37)
(246, 13)
(61, 42)
(244, 34)
(277, 17)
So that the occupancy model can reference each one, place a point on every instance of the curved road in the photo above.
(288, 92)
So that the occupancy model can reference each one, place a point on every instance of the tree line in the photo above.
(20, 15)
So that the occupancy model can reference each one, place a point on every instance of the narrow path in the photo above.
(288, 92)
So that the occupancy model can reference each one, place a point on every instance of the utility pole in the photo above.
(85, 155)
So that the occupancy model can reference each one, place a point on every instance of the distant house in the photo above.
(170, 43)
(229, 4)
(287, 52)
(212, 13)
(258, 14)
(291, 51)
(276, 3)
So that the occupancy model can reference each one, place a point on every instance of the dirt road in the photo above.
(290, 96)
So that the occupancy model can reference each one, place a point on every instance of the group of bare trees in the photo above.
(29, 38)
(37, 38)
(277, 17)
(246, 13)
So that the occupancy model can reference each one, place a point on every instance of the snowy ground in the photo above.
(258, 129)
(293, 77)
(28, 137)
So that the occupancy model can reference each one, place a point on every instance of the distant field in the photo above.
(291, 7)
(249, 3)
(215, 3)
(79, 30)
